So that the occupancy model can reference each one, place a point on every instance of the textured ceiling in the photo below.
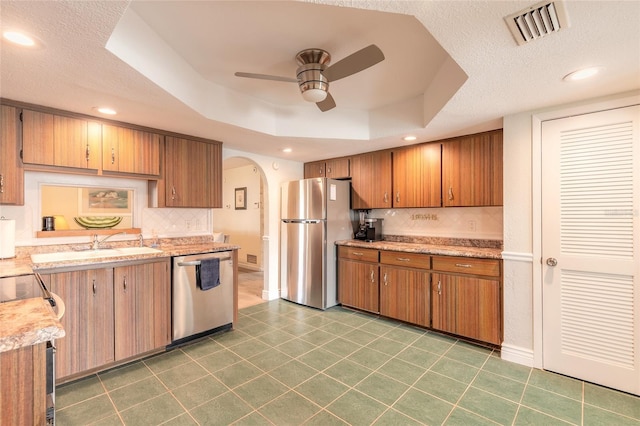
(451, 67)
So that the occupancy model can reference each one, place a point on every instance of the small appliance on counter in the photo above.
(373, 229)
(361, 233)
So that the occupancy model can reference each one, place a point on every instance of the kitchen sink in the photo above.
(91, 254)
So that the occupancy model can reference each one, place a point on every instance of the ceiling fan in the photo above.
(314, 72)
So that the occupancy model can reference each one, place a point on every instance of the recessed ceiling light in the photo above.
(581, 74)
(19, 38)
(287, 150)
(106, 110)
(409, 138)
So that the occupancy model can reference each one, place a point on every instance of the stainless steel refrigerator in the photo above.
(315, 213)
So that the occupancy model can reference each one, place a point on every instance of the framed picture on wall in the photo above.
(241, 198)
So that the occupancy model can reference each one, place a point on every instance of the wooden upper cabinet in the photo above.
(127, 150)
(336, 168)
(371, 180)
(193, 174)
(416, 176)
(314, 169)
(54, 140)
(11, 170)
(472, 170)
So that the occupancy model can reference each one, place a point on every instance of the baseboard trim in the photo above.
(517, 354)
(270, 295)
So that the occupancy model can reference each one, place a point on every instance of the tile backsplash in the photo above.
(452, 222)
(166, 223)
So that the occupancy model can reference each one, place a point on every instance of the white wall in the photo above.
(274, 172)
(522, 241)
(242, 226)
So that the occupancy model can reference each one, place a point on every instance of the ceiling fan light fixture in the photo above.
(314, 95)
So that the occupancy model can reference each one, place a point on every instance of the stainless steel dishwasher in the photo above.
(195, 312)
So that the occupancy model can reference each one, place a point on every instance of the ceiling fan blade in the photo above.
(327, 104)
(266, 77)
(356, 62)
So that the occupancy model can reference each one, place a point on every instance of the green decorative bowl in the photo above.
(98, 222)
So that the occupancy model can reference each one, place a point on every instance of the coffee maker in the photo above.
(361, 233)
(373, 229)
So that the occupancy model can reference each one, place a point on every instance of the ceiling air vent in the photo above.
(537, 21)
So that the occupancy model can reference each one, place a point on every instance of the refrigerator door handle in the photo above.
(302, 220)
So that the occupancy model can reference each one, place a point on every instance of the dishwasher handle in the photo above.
(197, 262)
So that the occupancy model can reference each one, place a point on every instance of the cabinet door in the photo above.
(193, 174)
(314, 169)
(468, 306)
(130, 151)
(358, 285)
(416, 176)
(88, 320)
(37, 137)
(142, 308)
(337, 168)
(371, 180)
(55, 140)
(405, 295)
(472, 170)
(11, 171)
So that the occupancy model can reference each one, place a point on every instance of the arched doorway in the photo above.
(242, 218)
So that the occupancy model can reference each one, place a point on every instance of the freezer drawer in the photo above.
(304, 269)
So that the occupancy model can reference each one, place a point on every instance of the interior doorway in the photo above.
(590, 256)
(242, 218)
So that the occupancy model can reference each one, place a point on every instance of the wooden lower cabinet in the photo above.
(358, 285)
(467, 306)
(142, 308)
(88, 319)
(405, 295)
(23, 379)
(111, 314)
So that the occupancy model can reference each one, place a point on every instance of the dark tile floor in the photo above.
(285, 364)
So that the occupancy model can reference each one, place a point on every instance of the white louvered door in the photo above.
(591, 232)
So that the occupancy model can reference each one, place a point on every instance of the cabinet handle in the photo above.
(403, 259)
(463, 265)
(1, 184)
(173, 192)
(321, 172)
(357, 253)
(450, 194)
(94, 287)
(328, 170)
(113, 156)
(386, 197)
(373, 277)
(124, 283)
(439, 288)
(87, 153)
(385, 278)
(398, 197)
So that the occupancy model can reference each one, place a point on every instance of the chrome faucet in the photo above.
(97, 242)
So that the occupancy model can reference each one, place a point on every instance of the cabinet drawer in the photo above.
(467, 265)
(355, 253)
(410, 260)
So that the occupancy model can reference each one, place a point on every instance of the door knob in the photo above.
(552, 261)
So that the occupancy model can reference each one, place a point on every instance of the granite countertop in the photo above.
(27, 322)
(437, 247)
(22, 264)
